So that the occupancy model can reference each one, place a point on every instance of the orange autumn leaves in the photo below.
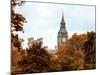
(78, 54)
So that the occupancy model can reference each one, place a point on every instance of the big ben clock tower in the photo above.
(62, 36)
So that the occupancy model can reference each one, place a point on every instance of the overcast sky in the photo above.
(43, 20)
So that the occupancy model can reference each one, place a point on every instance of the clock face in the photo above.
(63, 39)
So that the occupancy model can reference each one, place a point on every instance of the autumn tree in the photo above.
(72, 57)
(17, 19)
(17, 22)
(90, 51)
(37, 60)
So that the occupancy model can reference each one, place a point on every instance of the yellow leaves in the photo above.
(90, 66)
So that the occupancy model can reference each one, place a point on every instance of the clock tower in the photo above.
(62, 36)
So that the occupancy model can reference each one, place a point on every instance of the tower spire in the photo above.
(62, 23)
(62, 16)
(62, 20)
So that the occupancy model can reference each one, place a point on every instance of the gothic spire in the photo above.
(62, 21)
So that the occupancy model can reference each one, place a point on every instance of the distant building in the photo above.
(62, 37)
(52, 51)
(39, 40)
(31, 41)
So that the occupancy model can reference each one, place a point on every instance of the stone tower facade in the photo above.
(62, 36)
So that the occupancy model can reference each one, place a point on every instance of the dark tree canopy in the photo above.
(90, 50)
(37, 60)
(17, 19)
